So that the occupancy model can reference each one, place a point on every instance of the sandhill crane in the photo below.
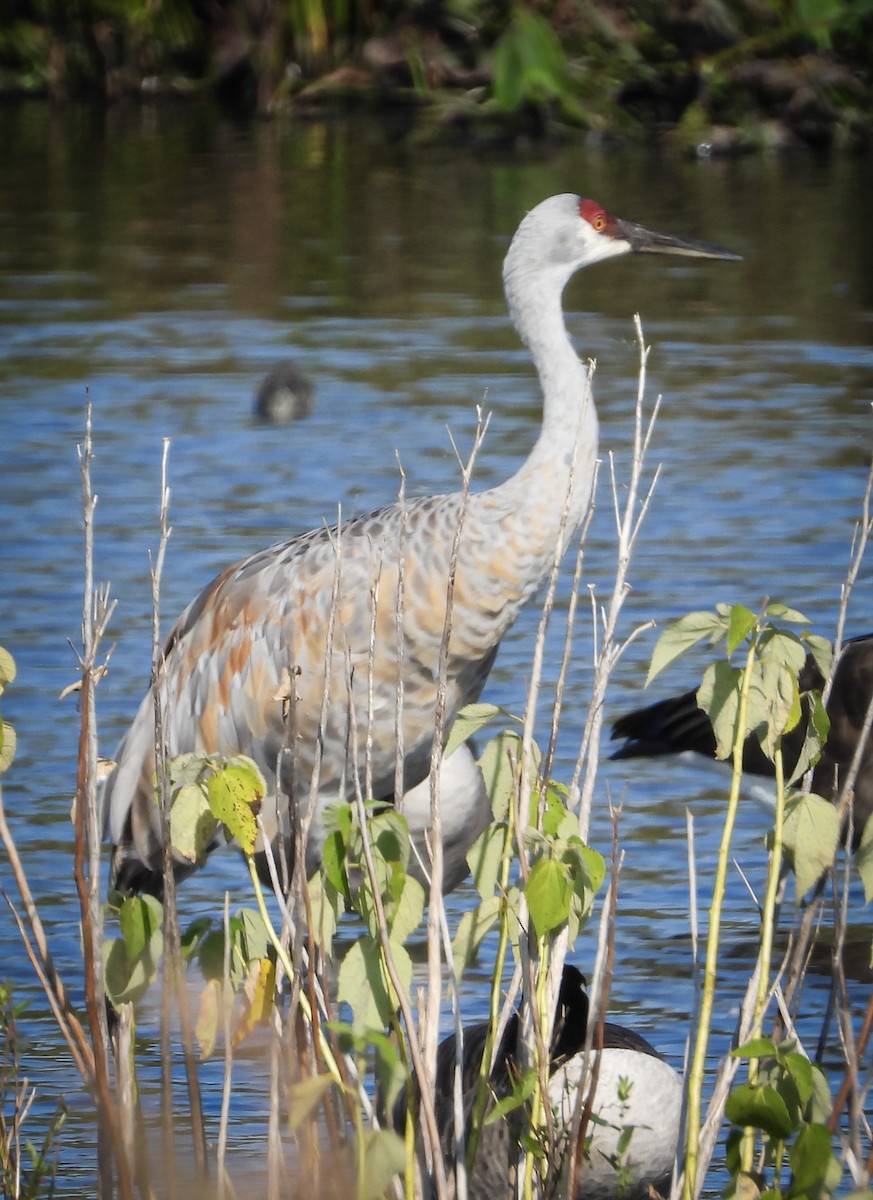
(225, 657)
(678, 724)
(629, 1067)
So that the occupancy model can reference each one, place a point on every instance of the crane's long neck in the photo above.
(557, 476)
(516, 528)
(569, 418)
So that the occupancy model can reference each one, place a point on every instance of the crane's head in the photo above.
(565, 233)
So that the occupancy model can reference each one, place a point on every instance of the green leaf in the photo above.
(822, 1103)
(810, 1159)
(774, 703)
(718, 696)
(192, 937)
(384, 1157)
(130, 963)
(817, 728)
(741, 622)
(499, 765)
(192, 823)
(472, 928)
(470, 720)
(781, 612)
(140, 918)
(558, 821)
(529, 63)
(507, 74)
(812, 835)
(326, 905)
(761, 1107)
(304, 1097)
(408, 910)
(254, 933)
(485, 856)
(761, 1047)
(362, 983)
(783, 647)
(235, 793)
(522, 1090)
(744, 1187)
(681, 635)
(334, 862)
(821, 650)
(800, 1069)
(548, 892)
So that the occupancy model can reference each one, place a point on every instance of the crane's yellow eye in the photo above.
(596, 216)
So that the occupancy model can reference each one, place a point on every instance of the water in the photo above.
(163, 261)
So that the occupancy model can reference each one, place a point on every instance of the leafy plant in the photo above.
(786, 1102)
(760, 696)
(530, 65)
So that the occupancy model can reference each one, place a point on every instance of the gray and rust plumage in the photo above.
(225, 658)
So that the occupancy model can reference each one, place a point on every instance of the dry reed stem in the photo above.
(172, 936)
(87, 849)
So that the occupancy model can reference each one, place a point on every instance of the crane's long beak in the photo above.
(646, 241)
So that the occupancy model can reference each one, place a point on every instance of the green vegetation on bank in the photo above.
(716, 76)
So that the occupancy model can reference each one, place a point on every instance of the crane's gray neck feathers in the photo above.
(564, 453)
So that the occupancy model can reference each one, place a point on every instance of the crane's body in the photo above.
(272, 612)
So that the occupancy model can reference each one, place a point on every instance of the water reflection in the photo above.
(167, 269)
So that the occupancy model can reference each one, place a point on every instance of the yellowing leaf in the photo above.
(8, 744)
(208, 1018)
(258, 992)
(7, 669)
(235, 793)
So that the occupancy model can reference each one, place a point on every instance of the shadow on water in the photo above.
(165, 260)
